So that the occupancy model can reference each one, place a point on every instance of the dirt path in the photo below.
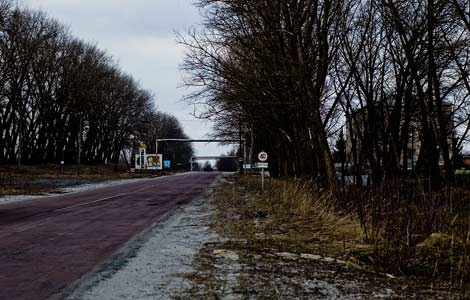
(46, 245)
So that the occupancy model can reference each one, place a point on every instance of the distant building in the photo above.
(466, 161)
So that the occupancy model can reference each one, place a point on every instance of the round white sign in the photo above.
(263, 156)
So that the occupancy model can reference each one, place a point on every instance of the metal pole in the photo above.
(412, 151)
(262, 180)
(79, 159)
(20, 139)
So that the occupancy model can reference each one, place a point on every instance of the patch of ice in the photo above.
(310, 256)
(227, 254)
(288, 255)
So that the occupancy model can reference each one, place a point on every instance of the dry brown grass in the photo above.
(271, 234)
(24, 180)
(51, 171)
(413, 230)
(290, 216)
(300, 217)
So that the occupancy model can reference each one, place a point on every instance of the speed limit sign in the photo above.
(263, 156)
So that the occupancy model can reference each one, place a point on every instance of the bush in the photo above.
(406, 222)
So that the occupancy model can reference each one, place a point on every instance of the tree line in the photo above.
(294, 75)
(63, 99)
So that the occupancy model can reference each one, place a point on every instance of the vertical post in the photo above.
(20, 139)
(262, 180)
(252, 142)
(163, 167)
(62, 156)
(412, 151)
(79, 160)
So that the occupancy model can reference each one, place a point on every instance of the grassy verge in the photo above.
(413, 230)
(37, 180)
(289, 216)
(292, 242)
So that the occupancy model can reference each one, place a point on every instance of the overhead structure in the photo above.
(194, 158)
(242, 159)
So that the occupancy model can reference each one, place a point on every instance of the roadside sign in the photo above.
(247, 166)
(263, 156)
(144, 161)
(154, 162)
(141, 161)
(167, 164)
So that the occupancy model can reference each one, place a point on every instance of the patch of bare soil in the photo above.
(273, 247)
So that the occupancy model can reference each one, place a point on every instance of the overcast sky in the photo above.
(140, 35)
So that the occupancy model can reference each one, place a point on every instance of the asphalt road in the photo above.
(47, 244)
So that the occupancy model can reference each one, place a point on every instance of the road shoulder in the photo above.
(153, 264)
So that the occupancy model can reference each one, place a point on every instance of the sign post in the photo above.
(262, 157)
(262, 180)
(141, 156)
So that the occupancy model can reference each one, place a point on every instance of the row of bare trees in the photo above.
(293, 74)
(62, 99)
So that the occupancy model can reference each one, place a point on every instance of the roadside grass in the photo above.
(293, 216)
(51, 171)
(27, 190)
(42, 179)
(414, 230)
(292, 242)
(462, 172)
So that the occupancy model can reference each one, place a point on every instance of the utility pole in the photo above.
(20, 138)
(79, 160)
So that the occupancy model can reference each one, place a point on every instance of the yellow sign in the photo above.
(143, 146)
(154, 161)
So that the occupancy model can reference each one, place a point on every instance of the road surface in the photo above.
(47, 244)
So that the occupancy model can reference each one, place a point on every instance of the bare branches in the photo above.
(50, 83)
(395, 71)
